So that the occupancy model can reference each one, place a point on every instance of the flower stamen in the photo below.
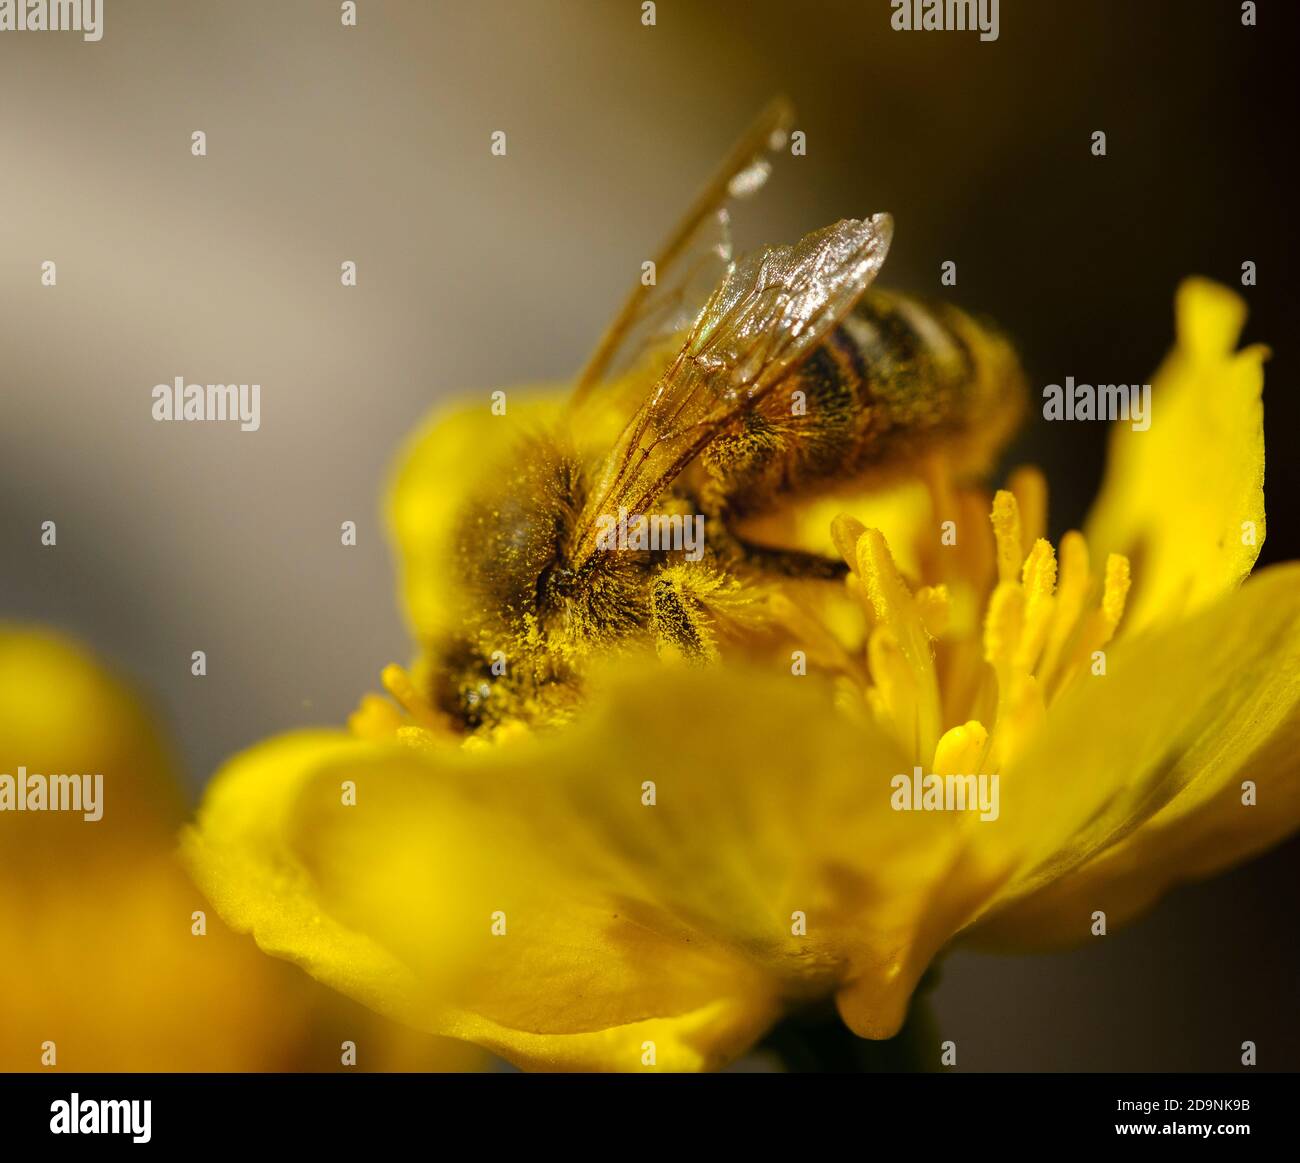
(398, 683)
(1006, 531)
(1037, 631)
(900, 653)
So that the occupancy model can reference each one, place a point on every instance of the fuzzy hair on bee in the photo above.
(792, 378)
(532, 603)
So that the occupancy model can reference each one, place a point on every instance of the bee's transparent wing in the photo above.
(770, 311)
(692, 259)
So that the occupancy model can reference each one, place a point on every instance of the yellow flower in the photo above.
(704, 849)
(101, 969)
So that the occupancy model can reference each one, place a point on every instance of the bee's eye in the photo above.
(475, 695)
(555, 581)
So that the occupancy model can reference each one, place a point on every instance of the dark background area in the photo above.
(478, 273)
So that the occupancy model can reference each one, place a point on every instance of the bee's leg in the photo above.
(766, 559)
(695, 604)
(692, 603)
(792, 563)
(680, 619)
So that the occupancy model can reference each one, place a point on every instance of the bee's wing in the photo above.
(692, 258)
(771, 310)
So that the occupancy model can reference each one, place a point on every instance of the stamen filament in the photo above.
(1006, 529)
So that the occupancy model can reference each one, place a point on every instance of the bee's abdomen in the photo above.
(897, 379)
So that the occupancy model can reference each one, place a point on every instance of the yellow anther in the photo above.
(374, 718)
(1003, 625)
(1029, 487)
(845, 532)
(887, 591)
(1115, 589)
(1040, 605)
(398, 684)
(1006, 529)
(1039, 572)
(896, 609)
(935, 608)
(1071, 593)
(1002, 655)
(961, 750)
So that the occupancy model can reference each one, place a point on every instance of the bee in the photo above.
(794, 378)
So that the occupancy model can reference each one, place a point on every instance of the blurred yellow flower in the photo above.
(101, 967)
(702, 850)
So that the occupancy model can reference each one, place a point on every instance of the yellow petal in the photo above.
(1184, 500)
(529, 898)
(1184, 715)
(96, 915)
(61, 711)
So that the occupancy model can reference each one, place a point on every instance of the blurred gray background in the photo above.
(371, 144)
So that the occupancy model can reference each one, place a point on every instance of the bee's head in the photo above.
(529, 608)
(510, 538)
(508, 545)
